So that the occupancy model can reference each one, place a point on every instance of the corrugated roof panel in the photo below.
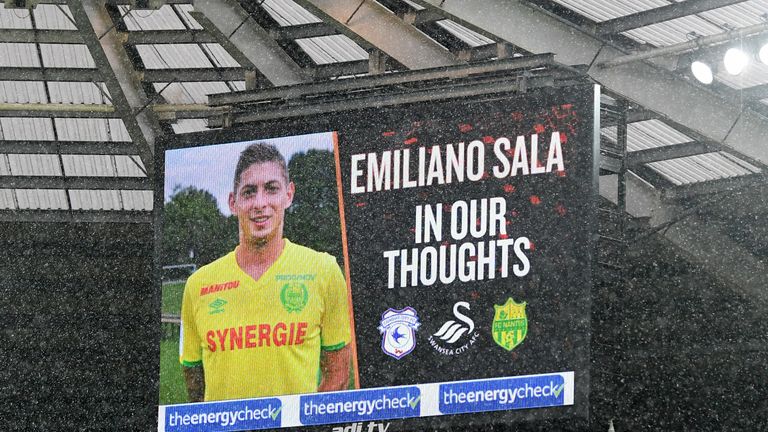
(703, 167)
(237, 85)
(137, 200)
(756, 73)
(95, 199)
(192, 92)
(14, 18)
(22, 92)
(66, 56)
(5, 167)
(6, 199)
(129, 166)
(42, 199)
(164, 18)
(332, 49)
(73, 92)
(469, 37)
(601, 10)
(675, 31)
(190, 125)
(26, 128)
(85, 129)
(173, 56)
(220, 56)
(88, 165)
(648, 134)
(183, 11)
(18, 55)
(738, 15)
(288, 13)
(34, 165)
(53, 17)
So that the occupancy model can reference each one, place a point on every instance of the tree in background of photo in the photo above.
(313, 219)
(194, 230)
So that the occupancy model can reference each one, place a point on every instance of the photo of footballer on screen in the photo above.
(271, 316)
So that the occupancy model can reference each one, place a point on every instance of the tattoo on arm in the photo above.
(195, 380)
(334, 367)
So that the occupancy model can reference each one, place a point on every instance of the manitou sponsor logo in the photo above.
(210, 289)
(455, 336)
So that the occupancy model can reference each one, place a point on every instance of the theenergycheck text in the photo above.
(224, 416)
(502, 394)
(360, 405)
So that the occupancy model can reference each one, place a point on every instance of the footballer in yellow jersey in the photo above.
(264, 319)
(263, 337)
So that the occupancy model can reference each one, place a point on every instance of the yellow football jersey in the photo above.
(263, 337)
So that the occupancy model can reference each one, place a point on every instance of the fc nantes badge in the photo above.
(294, 296)
(510, 324)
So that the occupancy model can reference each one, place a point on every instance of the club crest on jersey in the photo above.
(294, 296)
(398, 330)
(510, 324)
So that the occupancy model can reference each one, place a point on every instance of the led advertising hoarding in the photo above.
(404, 265)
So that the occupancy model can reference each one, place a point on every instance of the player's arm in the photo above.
(194, 377)
(334, 369)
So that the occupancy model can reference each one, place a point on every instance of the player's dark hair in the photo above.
(259, 153)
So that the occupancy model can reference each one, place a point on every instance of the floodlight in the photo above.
(735, 61)
(763, 54)
(702, 72)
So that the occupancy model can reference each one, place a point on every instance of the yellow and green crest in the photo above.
(294, 296)
(510, 324)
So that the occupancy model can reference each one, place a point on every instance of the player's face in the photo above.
(260, 202)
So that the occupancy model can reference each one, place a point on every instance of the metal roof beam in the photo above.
(67, 147)
(509, 65)
(672, 96)
(56, 110)
(76, 182)
(669, 152)
(374, 26)
(251, 74)
(660, 14)
(47, 74)
(303, 31)
(152, 37)
(193, 75)
(92, 18)
(252, 41)
(40, 36)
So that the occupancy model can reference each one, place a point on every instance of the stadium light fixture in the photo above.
(735, 61)
(763, 54)
(702, 72)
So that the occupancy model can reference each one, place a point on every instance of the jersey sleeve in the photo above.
(190, 354)
(336, 328)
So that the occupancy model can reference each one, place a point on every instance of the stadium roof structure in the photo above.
(86, 88)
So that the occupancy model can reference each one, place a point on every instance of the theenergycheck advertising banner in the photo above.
(423, 400)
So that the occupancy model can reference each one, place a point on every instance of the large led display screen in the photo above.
(400, 266)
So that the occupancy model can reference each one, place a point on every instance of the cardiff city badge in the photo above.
(398, 330)
(510, 324)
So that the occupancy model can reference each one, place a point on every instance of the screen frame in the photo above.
(568, 417)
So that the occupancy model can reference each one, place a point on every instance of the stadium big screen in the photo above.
(411, 267)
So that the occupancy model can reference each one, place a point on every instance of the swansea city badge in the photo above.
(510, 324)
(398, 331)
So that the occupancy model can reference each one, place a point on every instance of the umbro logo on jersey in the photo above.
(216, 306)
(210, 289)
